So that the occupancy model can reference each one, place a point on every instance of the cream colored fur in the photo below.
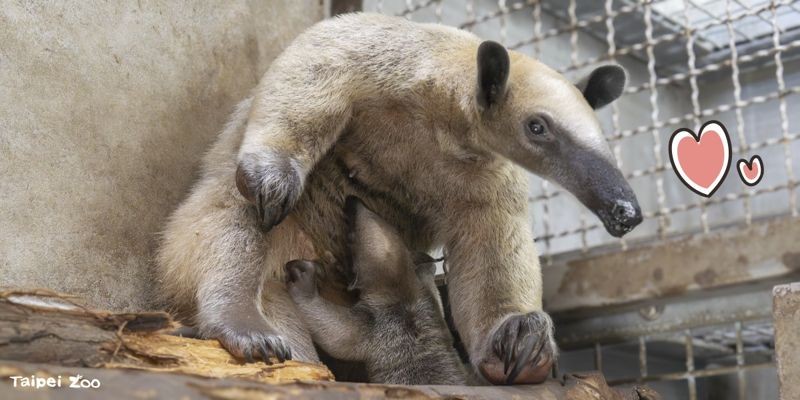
(384, 109)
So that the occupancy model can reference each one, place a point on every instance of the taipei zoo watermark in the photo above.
(69, 381)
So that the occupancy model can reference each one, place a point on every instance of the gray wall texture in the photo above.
(105, 111)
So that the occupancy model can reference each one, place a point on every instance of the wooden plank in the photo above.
(786, 317)
(763, 251)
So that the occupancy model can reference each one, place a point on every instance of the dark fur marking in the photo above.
(604, 85)
(493, 70)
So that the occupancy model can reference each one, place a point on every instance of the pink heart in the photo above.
(750, 172)
(701, 161)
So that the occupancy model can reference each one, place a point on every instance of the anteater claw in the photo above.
(272, 183)
(523, 350)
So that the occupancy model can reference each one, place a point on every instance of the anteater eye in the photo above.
(536, 128)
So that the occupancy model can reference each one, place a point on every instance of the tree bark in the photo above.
(45, 327)
(48, 335)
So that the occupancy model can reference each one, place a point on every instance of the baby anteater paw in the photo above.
(301, 279)
(523, 350)
(272, 182)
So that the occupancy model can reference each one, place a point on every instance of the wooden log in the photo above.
(130, 384)
(45, 327)
(47, 335)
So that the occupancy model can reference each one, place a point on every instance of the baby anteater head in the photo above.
(385, 271)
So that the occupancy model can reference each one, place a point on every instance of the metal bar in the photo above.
(740, 377)
(737, 95)
(757, 55)
(573, 32)
(708, 111)
(628, 50)
(642, 358)
(516, 6)
(598, 357)
(617, 322)
(690, 379)
(680, 208)
(537, 26)
(470, 4)
(696, 111)
(573, 57)
(612, 48)
(761, 17)
(503, 10)
(654, 117)
(579, 25)
(536, 14)
(716, 18)
(677, 376)
(776, 41)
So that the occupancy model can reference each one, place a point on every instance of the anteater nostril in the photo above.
(623, 211)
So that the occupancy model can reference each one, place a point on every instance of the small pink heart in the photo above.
(701, 161)
(750, 172)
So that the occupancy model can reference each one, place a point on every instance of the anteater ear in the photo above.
(604, 85)
(493, 67)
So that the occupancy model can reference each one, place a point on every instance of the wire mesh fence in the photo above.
(688, 61)
(717, 346)
(693, 363)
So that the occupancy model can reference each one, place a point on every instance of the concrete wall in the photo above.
(105, 110)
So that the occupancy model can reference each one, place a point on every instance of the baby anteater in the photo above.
(397, 327)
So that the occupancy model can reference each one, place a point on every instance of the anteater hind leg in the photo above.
(240, 299)
(217, 265)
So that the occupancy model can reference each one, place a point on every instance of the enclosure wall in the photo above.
(105, 111)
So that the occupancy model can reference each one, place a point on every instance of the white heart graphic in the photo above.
(751, 172)
(701, 161)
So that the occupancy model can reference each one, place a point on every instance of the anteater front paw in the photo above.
(250, 345)
(524, 347)
(272, 182)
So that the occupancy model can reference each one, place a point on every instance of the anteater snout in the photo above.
(625, 215)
